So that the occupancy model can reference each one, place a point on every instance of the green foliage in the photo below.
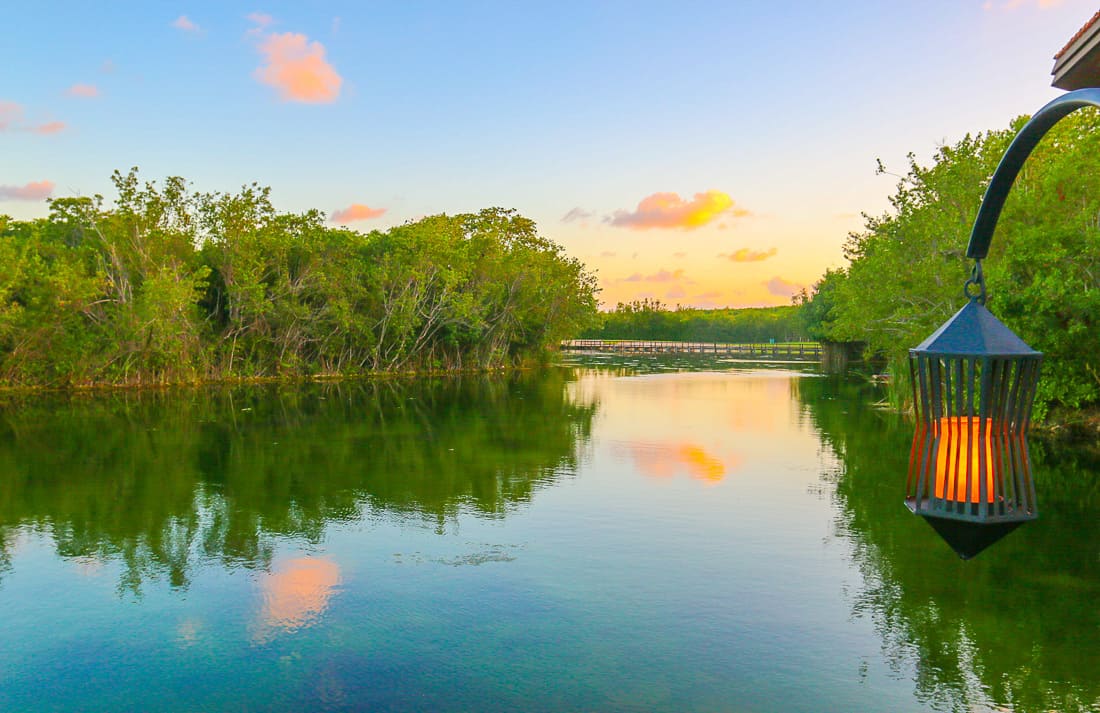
(173, 286)
(907, 267)
(162, 483)
(651, 319)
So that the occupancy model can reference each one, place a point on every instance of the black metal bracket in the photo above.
(1013, 160)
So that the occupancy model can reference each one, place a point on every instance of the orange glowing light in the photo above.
(957, 462)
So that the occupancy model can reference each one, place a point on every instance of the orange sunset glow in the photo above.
(659, 460)
(297, 593)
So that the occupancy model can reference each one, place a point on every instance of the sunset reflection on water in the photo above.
(296, 594)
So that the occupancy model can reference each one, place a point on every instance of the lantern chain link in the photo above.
(977, 279)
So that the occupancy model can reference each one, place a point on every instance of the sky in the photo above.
(706, 154)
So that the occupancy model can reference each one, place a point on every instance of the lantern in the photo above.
(973, 385)
(969, 469)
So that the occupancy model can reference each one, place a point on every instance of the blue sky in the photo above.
(705, 153)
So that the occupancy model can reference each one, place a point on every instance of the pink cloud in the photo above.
(356, 211)
(10, 113)
(11, 119)
(669, 210)
(676, 293)
(51, 127)
(1013, 4)
(659, 276)
(260, 19)
(782, 288)
(746, 255)
(33, 191)
(84, 91)
(297, 68)
(183, 23)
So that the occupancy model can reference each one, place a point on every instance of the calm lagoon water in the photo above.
(612, 535)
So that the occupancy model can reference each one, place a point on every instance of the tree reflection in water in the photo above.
(165, 480)
(1016, 628)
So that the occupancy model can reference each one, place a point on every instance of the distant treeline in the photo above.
(651, 319)
(170, 286)
(907, 267)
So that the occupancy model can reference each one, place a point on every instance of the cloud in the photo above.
(50, 127)
(669, 210)
(676, 293)
(659, 276)
(608, 253)
(84, 91)
(33, 191)
(681, 254)
(989, 5)
(747, 255)
(11, 119)
(260, 19)
(108, 67)
(356, 211)
(782, 288)
(10, 113)
(186, 25)
(297, 68)
(576, 214)
(712, 295)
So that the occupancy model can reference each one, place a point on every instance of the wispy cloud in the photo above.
(576, 214)
(297, 68)
(33, 191)
(12, 119)
(354, 212)
(669, 210)
(50, 127)
(608, 253)
(10, 114)
(659, 276)
(184, 24)
(747, 255)
(989, 5)
(679, 255)
(676, 293)
(83, 91)
(260, 19)
(782, 288)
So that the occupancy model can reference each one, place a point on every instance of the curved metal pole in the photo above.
(1013, 160)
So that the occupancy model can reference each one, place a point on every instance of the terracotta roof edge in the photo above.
(1077, 36)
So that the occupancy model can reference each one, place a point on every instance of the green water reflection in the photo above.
(158, 479)
(1018, 627)
(673, 534)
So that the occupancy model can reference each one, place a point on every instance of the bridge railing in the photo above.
(789, 350)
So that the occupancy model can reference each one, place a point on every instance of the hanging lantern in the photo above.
(973, 385)
(969, 469)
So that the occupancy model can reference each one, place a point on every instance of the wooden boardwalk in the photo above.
(801, 351)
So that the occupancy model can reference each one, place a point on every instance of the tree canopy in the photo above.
(171, 285)
(652, 319)
(907, 267)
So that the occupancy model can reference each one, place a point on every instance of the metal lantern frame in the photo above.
(974, 382)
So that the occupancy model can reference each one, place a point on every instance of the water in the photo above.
(677, 534)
